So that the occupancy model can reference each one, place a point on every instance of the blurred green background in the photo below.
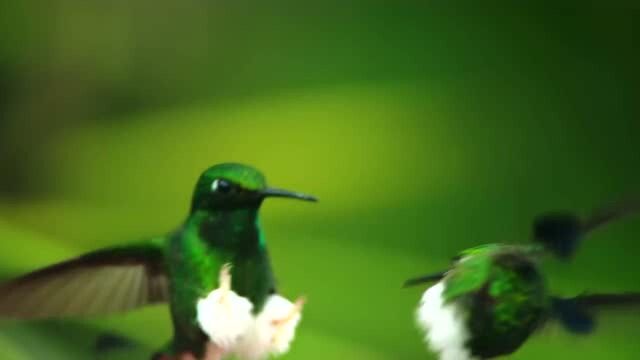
(422, 129)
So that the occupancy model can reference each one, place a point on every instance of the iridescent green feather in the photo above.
(193, 268)
(248, 177)
(471, 271)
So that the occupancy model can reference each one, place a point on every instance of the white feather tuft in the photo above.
(224, 316)
(273, 330)
(446, 331)
(227, 319)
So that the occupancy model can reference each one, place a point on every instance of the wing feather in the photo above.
(104, 281)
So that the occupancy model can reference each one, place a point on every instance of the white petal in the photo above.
(444, 324)
(224, 317)
(266, 338)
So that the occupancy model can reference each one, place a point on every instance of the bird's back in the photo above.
(509, 304)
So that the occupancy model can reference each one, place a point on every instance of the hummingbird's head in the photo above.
(231, 186)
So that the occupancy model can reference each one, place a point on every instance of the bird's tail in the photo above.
(577, 314)
(561, 232)
(425, 279)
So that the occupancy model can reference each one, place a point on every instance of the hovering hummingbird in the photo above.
(493, 297)
(214, 271)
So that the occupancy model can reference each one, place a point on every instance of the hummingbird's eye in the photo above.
(221, 186)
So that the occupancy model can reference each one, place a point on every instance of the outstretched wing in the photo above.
(109, 280)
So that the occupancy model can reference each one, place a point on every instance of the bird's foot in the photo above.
(183, 356)
(213, 352)
(186, 356)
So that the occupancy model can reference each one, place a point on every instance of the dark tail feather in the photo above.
(108, 342)
(424, 279)
(576, 314)
(561, 232)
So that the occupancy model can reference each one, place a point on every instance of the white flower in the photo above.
(444, 324)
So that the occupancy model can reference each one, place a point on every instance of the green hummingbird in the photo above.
(494, 297)
(220, 245)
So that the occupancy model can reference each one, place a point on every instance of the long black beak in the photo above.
(274, 192)
(425, 279)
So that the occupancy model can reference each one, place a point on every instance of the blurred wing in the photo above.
(104, 281)
(561, 232)
(609, 301)
(611, 213)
